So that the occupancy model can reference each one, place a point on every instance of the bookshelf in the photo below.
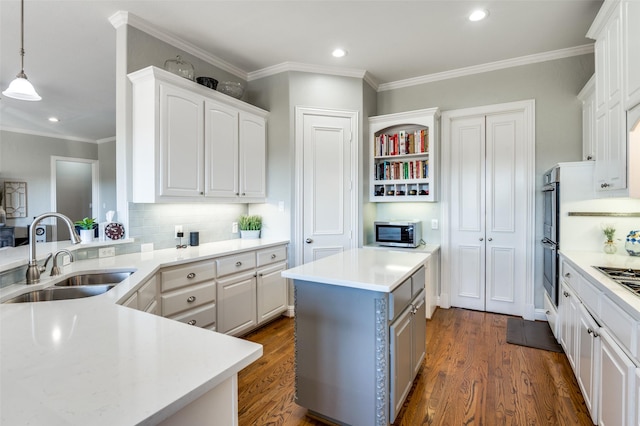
(403, 156)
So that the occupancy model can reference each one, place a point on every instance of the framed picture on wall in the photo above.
(15, 199)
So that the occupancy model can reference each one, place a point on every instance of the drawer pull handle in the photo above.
(567, 275)
(590, 331)
(191, 275)
(238, 263)
(191, 299)
(273, 256)
(192, 322)
(566, 294)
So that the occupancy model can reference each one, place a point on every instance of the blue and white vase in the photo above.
(633, 243)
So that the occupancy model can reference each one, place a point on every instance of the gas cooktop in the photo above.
(628, 278)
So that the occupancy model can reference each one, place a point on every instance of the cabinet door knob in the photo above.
(489, 239)
(238, 263)
(547, 312)
(567, 275)
(191, 275)
(243, 194)
(273, 256)
(604, 185)
(308, 241)
(589, 157)
(481, 239)
(191, 299)
(566, 294)
(192, 322)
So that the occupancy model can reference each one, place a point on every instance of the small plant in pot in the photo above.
(250, 226)
(87, 229)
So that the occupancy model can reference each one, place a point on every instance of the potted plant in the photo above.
(250, 226)
(86, 226)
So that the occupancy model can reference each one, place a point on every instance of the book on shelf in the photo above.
(398, 170)
(402, 143)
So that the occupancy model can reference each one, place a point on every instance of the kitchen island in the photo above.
(359, 333)
(92, 361)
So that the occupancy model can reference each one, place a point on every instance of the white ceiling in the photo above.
(70, 45)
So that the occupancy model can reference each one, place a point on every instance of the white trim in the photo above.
(122, 17)
(46, 135)
(290, 312)
(105, 140)
(298, 202)
(491, 66)
(318, 69)
(528, 109)
(95, 185)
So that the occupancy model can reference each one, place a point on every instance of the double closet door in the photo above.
(488, 202)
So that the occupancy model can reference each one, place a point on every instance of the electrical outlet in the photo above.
(434, 223)
(234, 227)
(178, 229)
(146, 247)
(107, 252)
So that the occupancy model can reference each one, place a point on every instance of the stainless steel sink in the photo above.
(75, 287)
(92, 279)
(62, 293)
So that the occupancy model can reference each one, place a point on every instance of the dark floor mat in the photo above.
(534, 334)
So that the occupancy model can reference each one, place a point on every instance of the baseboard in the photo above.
(290, 312)
(540, 315)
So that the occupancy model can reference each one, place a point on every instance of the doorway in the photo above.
(326, 180)
(488, 207)
(74, 191)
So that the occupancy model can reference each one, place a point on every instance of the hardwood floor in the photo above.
(470, 376)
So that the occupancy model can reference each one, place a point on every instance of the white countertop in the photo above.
(587, 260)
(376, 270)
(91, 361)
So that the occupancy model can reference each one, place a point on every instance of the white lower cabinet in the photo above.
(588, 359)
(237, 296)
(145, 298)
(568, 311)
(598, 338)
(617, 384)
(271, 292)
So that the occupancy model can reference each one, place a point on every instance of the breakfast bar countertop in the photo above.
(91, 361)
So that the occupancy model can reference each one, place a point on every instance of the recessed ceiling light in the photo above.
(478, 15)
(339, 53)
(54, 119)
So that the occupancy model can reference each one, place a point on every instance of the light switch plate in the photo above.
(434, 223)
(234, 227)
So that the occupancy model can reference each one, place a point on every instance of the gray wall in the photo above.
(554, 86)
(27, 158)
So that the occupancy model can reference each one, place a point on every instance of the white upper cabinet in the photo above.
(588, 98)
(611, 140)
(191, 143)
(631, 52)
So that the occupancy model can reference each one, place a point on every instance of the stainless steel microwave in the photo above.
(398, 233)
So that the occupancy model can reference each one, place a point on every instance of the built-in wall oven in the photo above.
(551, 232)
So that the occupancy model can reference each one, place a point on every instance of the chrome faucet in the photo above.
(33, 270)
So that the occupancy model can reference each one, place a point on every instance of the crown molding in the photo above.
(122, 17)
(491, 66)
(302, 67)
(105, 140)
(48, 135)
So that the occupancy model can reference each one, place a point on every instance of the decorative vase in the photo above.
(249, 234)
(632, 246)
(86, 235)
(610, 247)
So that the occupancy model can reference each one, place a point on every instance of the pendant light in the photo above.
(21, 88)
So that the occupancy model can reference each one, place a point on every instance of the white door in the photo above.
(488, 212)
(328, 200)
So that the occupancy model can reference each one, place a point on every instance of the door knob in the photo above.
(308, 241)
(481, 239)
(490, 239)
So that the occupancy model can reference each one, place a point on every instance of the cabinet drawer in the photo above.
(189, 274)
(619, 323)
(147, 293)
(590, 296)
(188, 298)
(236, 263)
(418, 281)
(399, 299)
(551, 313)
(570, 276)
(203, 316)
(272, 255)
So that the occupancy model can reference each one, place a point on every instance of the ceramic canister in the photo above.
(633, 243)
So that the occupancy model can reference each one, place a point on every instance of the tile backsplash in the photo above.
(155, 223)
